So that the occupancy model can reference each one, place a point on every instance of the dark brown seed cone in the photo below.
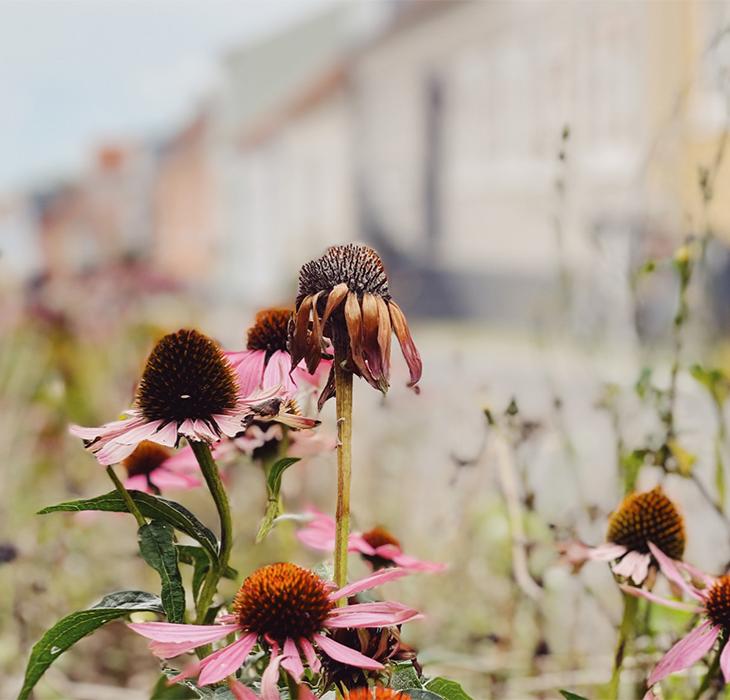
(146, 457)
(282, 600)
(648, 517)
(377, 537)
(717, 603)
(270, 331)
(186, 377)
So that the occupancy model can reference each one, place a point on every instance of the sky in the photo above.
(76, 72)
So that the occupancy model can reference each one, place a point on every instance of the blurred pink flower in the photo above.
(378, 546)
(712, 603)
(287, 610)
(152, 468)
(266, 362)
(188, 388)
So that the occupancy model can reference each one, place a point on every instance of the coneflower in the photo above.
(153, 468)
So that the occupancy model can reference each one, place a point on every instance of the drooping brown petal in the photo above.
(410, 352)
(329, 389)
(314, 348)
(384, 335)
(370, 346)
(301, 331)
(335, 298)
(353, 318)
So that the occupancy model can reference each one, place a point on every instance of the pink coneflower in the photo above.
(188, 388)
(344, 296)
(714, 607)
(641, 519)
(266, 361)
(287, 610)
(377, 546)
(153, 468)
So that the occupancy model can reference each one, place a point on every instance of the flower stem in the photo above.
(631, 605)
(711, 672)
(212, 478)
(343, 399)
(131, 505)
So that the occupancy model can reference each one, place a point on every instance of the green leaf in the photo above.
(67, 631)
(198, 559)
(571, 696)
(449, 690)
(420, 694)
(273, 478)
(157, 546)
(151, 507)
(163, 691)
(405, 677)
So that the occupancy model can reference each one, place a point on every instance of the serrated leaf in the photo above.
(157, 546)
(151, 507)
(571, 696)
(405, 677)
(67, 631)
(447, 689)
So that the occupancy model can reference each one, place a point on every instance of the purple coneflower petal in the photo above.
(166, 435)
(168, 479)
(666, 602)
(606, 552)
(697, 574)
(686, 651)
(310, 654)
(725, 662)
(249, 366)
(270, 677)
(381, 614)
(669, 569)
(241, 691)
(408, 562)
(291, 661)
(376, 579)
(634, 565)
(183, 637)
(346, 655)
(225, 661)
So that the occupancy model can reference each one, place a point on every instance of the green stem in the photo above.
(343, 398)
(711, 672)
(131, 505)
(625, 633)
(213, 479)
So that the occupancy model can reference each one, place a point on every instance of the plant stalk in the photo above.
(131, 505)
(343, 399)
(711, 673)
(213, 479)
(625, 633)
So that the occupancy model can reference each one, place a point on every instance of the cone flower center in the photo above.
(282, 600)
(648, 517)
(146, 457)
(358, 266)
(270, 331)
(376, 693)
(717, 603)
(187, 377)
(379, 536)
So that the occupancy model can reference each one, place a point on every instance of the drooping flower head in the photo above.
(711, 602)
(641, 519)
(344, 296)
(289, 611)
(153, 468)
(188, 388)
(266, 361)
(377, 546)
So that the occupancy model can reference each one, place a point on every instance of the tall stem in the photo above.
(343, 398)
(213, 479)
(625, 634)
(128, 500)
(711, 672)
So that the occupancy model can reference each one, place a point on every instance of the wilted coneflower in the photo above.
(641, 519)
(344, 296)
(266, 361)
(153, 468)
(188, 388)
(377, 546)
(288, 611)
(712, 602)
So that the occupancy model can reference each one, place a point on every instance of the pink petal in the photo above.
(187, 428)
(696, 574)
(204, 431)
(229, 425)
(686, 651)
(666, 602)
(407, 562)
(310, 654)
(138, 482)
(277, 373)
(346, 655)
(291, 661)
(606, 552)
(225, 661)
(166, 435)
(241, 691)
(166, 479)
(634, 565)
(305, 693)
(385, 614)
(725, 662)
(183, 461)
(376, 579)
(114, 452)
(249, 366)
(270, 679)
(184, 637)
(670, 570)
(138, 433)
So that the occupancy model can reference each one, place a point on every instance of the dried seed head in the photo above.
(357, 266)
(648, 517)
(717, 603)
(270, 331)
(376, 693)
(147, 456)
(282, 600)
(186, 377)
(379, 536)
